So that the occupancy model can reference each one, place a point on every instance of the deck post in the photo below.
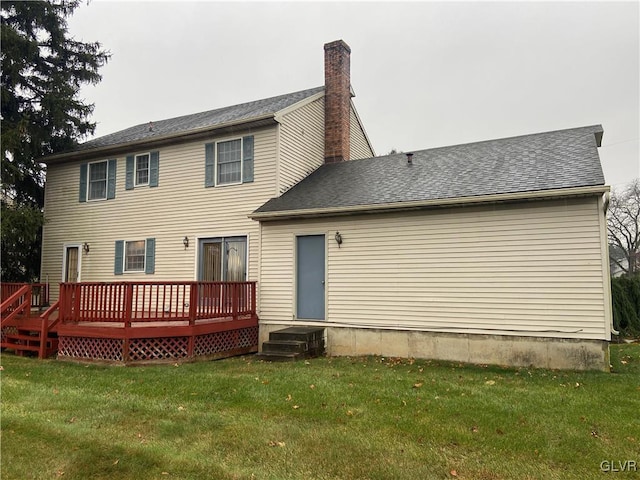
(193, 303)
(128, 313)
(253, 308)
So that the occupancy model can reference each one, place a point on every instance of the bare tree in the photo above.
(623, 224)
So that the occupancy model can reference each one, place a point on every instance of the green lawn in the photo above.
(340, 418)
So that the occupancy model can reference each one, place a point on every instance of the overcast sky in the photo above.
(425, 74)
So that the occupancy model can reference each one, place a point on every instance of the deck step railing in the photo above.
(155, 301)
(39, 293)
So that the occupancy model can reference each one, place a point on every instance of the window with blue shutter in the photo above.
(111, 179)
(150, 263)
(119, 258)
(142, 170)
(98, 180)
(247, 159)
(83, 182)
(128, 183)
(133, 256)
(229, 162)
(209, 165)
(154, 169)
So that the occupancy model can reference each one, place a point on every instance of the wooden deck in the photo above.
(133, 322)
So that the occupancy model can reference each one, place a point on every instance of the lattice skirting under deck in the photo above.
(163, 348)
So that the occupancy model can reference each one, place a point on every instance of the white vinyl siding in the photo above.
(180, 207)
(301, 144)
(530, 269)
(359, 144)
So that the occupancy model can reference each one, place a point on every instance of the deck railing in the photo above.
(155, 301)
(39, 293)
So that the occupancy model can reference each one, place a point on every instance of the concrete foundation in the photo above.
(515, 351)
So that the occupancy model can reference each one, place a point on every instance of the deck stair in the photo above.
(24, 337)
(293, 343)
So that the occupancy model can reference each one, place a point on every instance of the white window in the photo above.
(134, 255)
(97, 185)
(229, 162)
(142, 169)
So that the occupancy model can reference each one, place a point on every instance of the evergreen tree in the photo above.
(43, 69)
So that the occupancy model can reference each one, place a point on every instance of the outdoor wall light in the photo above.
(185, 242)
(338, 238)
(85, 247)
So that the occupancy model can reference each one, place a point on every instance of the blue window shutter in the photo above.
(154, 169)
(83, 182)
(128, 182)
(119, 258)
(247, 159)
(209, 165)
(111, 179)
(150, 260)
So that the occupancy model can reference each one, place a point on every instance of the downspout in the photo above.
(607, 199)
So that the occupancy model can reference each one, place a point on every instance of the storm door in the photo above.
(71, 264)
(310, 277)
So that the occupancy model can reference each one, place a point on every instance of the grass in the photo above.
(339, 418)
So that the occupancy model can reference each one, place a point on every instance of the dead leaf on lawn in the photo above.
(490, 382)
(72, 420)
(288, 398)
(1, 368)
(417, 385)
(180, 407)
(117, 461)
(56, 391)
(474, 429)
(296, 407)
(312, 386)
(276, 444)
(453, 473)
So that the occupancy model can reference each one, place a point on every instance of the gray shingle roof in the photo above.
(543, 161)
(211, 118)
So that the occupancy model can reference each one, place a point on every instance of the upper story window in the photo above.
(98, 180)
(142, 169)
(229, 162)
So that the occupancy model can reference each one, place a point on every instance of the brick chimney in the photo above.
(337, 101)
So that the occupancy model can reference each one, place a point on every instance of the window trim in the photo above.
(106, 181)
(135, 169)
(215, 163)
(124, 257)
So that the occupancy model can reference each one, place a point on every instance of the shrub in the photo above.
(625, 293)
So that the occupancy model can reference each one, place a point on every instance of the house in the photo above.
(169, 200)
(492, 252)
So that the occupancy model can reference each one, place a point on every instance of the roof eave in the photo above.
(162, 140)
(435, 203)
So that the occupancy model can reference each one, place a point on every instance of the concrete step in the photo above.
(278, 356)
(306, 334)
(295, 346)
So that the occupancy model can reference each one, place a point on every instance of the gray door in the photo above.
(310, 277)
